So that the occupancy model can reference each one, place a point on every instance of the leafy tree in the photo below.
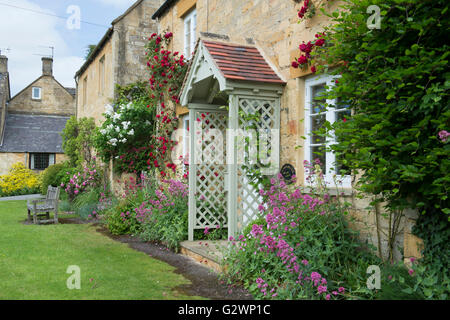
(78, 140)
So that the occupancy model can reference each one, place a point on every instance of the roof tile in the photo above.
(241, 62)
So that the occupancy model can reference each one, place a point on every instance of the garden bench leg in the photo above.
(29, 215)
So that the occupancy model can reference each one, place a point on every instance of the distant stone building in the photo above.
(31, 122)
(119, 58)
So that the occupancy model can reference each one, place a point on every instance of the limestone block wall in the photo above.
(8, 159)
(91, 100)
(130, 36)
(272, 26)
(55, 99)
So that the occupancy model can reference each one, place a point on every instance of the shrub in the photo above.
(86, 179)
(52, 176)
(164, 216)
(78, 140)
(303, 249)
(19, 181)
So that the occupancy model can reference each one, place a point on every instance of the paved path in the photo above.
(26, 197)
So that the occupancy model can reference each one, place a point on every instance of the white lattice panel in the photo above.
(263, 121)
(210, 149)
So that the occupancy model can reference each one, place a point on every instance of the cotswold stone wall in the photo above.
(8, 159)
(272, 26)
(55, 99)
(130, 36)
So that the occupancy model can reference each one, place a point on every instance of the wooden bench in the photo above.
(42, 207)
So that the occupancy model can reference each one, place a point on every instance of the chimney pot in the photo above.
(47, 66)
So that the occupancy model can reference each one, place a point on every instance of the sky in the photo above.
(29, 35)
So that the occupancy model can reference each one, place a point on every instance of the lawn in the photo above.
(34, 260)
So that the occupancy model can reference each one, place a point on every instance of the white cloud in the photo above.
(118, 3)
(28, 33)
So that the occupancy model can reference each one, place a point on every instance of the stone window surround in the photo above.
(330, 114)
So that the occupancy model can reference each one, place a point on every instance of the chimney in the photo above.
(3, 64)
(47, 66)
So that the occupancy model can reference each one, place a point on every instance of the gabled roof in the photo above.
(230, 65)
(239, 62)
(30, 133)
(54, 79)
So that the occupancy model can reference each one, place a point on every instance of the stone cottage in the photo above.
(31, 122)
(244, 49)
(119, 58)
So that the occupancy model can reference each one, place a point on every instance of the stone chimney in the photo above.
(3, 64)
(47, 66)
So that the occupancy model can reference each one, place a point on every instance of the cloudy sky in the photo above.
(28, 34)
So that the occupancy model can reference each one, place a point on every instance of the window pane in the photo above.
(317, 122)
(318, 104)
(343, 115)
(40, 161)
(187, 37)
(318, 157)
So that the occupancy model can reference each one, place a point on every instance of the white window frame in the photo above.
(39, 97)
(330, 115)
(190, 33)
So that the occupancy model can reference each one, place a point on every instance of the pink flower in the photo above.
(411, 272)
(341, 289)
(206, 230)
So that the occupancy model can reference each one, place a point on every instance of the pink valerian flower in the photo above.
(443, 135)
(411, 272)
(206, 230)
(341, 290)
(321, 289)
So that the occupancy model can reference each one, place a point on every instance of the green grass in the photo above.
(34, 260)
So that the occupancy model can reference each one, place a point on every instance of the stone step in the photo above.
(208, 253)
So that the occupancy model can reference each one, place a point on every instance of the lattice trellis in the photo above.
(264, 120)
(209, 156)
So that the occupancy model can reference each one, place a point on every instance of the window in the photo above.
(316, 114)
(41, 161)
(101, 79)
(190, 29)
(84, 91)
(36, 93)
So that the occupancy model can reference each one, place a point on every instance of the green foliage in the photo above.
(396, 82)
(78, 140)
(127, 132)
(117, 221)
(54, 175)
(168, 227)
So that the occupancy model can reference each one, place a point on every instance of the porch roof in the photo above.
(239, 62)
(218, 66)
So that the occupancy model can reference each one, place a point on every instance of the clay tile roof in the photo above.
(238, 62)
